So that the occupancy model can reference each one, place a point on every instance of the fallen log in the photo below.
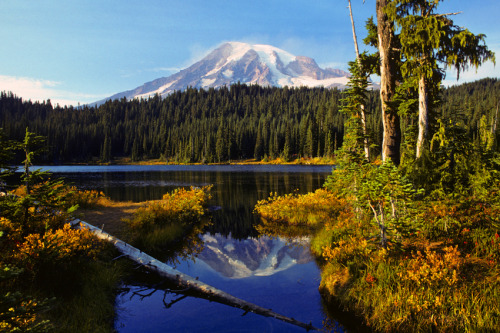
(184, 280)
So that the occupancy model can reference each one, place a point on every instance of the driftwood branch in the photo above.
(185, 281)
(168, 305)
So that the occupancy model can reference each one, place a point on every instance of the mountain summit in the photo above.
(235, 62)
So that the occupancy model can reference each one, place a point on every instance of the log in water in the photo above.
(183, 280)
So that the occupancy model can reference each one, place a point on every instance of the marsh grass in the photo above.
(87, 199)
(171, 226)
(442, 278)
(308, 209)
(90, 304)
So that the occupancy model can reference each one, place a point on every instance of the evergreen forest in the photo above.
(408, 238)
(406, 229)
(219, 125)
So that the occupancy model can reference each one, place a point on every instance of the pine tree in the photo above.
(286, 154)
(428, 38)
(221, 148)
(259, 145)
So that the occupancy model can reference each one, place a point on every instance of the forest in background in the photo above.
(218, 125)
(410, 242)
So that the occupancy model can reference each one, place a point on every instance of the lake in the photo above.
(235, 258)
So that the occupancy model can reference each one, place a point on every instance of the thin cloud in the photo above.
(42, 90)
(168, 70)
(165, 69)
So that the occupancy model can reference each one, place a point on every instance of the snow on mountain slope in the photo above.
(264, 256)
(235, 62)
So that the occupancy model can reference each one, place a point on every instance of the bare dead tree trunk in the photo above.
(380, 219)
(362, 107)
(423, 115)
(388, 60)
(494, 127)
(354, 32)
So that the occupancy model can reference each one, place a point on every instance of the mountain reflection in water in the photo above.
(261, 256)
(266, 271)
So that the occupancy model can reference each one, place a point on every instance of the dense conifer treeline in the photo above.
(237, 122)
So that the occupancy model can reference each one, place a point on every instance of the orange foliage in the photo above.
(311, 208)
(56, 247)
(432, 268)
(348, 249)
(180, 206)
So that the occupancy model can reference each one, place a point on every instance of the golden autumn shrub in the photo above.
(431, 268)
(56, 248)
(166, 225)
(307, 209)
(441, 276)
(10, 231)
(180, 206)
(88, 198)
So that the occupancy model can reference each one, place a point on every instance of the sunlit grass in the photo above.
(171, 224)
(89, 198)
(442, 278)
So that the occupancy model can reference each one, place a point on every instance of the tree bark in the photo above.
(423, 115)
(354, 32)
(388, 61)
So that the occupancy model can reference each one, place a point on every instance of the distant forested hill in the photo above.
(237, 122)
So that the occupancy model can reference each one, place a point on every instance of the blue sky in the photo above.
(83, 50)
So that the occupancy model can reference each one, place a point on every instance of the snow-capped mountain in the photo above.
(252, 257)
(235, 62)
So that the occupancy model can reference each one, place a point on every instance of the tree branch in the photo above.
(447, 14)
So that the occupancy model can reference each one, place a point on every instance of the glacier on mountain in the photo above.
(237, 62)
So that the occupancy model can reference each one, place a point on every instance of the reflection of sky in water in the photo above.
(291, 289)
(196, 168)
(293, 293)
(138, 183)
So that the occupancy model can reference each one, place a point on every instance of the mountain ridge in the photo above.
(237, 62)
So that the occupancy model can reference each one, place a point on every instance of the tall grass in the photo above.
(445, 277)
(88, 198)
(171, 226)
(90, 306)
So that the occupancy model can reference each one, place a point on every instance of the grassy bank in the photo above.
(55, 279)
(264, 161)
(444, 276)
(170, 227)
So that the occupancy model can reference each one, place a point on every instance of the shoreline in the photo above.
(278, 161)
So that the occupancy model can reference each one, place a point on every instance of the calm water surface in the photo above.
(268, 272)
